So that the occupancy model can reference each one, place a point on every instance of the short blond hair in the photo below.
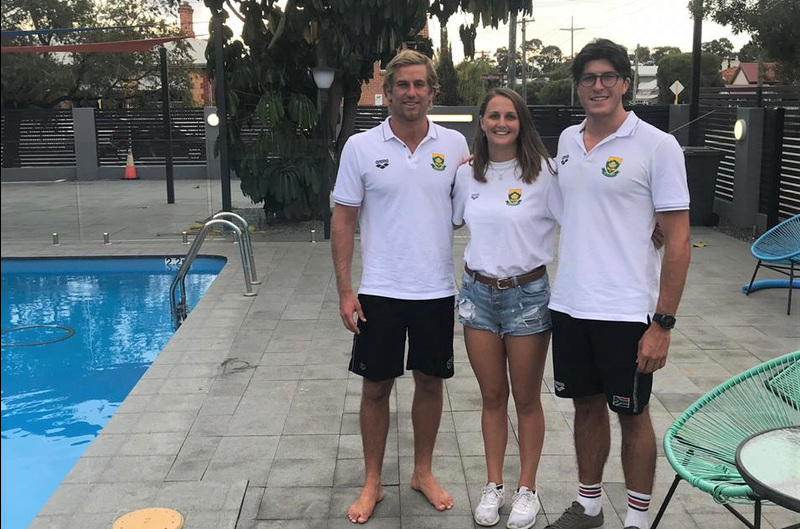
(410, 58)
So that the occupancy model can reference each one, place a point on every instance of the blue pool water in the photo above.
(77, 334)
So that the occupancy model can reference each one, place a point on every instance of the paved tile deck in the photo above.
(249, 420)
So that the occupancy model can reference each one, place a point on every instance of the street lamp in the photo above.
(323, 78)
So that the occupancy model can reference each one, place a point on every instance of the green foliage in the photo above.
(659, 52)
(555, 93)
(130, 79)
(269, 83)
(468, 34)
(644, 55)
(722, 48)
(448, 94)
(288, 184)
(484, 12)
(471, 87)
(752, 52)
(549, 58)
(774, 26)
(678, 67)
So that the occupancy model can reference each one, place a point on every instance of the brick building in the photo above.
(372, 92)
(202, 89)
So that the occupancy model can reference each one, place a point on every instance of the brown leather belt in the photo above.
(507, 282)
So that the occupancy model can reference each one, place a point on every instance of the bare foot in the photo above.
(428, 486)
(362, 509)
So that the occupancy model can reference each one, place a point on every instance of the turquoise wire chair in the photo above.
(779, 250)
(701, 443)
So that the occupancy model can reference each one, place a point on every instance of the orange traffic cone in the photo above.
(130, 169)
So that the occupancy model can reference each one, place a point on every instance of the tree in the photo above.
(751, 52)
(678, 67)
(722, 48)
(556, 93)
(659, 52)
(501, 57)
(468, 33)
(471, 85)
(644, 55)
(269, 83)
(47, 79)
(774, 26)
(549, 58)
(448, 79)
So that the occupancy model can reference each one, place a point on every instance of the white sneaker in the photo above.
(524, 509)
(488, 510)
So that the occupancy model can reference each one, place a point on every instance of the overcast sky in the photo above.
(649, 23)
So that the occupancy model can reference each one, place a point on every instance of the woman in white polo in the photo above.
(505, 197)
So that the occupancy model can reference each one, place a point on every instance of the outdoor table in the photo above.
(769, 462)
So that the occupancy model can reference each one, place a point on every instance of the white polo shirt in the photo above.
(405, 209)
(608, 266)
(512, 224)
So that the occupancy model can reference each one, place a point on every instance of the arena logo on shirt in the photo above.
(612, 166)
(382, 164)
(564, 159)
(514, 197)
(438, 161)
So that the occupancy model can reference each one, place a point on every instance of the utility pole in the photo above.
(572, 29)
(635, 73)
(524, 23)
(512, 51)
(697, 39)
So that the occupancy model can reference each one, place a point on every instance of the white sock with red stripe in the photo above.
(638, 504)
(591, 497)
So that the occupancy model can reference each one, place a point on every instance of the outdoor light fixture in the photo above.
(323, 77)
(213, 120)
(451, 118)
(739, 129)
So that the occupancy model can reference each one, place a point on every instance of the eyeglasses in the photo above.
(607, 79)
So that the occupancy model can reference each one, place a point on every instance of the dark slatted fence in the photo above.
(368, 117)
(551, 120)
(142, 130)
(780, 171)
(37, 138)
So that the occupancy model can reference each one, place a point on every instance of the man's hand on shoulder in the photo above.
(349, 308)
(653, 349)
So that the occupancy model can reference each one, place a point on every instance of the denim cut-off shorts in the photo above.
(516, 311)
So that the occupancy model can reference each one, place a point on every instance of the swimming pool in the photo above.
(77, 334)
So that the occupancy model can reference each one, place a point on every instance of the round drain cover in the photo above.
(150, 519)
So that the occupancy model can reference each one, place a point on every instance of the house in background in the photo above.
(647, 89)
(202, 89)
(747, 74)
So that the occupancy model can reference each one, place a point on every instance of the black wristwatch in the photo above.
(665, 321)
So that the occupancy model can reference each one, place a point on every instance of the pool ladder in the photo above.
(180, 309)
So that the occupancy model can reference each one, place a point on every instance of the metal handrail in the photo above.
(181, 310)
(249, 245)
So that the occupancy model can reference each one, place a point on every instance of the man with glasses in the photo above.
(615, 297)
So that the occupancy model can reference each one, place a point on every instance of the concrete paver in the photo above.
(248, 419)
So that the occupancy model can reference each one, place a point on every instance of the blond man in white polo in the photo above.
(396, 182)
